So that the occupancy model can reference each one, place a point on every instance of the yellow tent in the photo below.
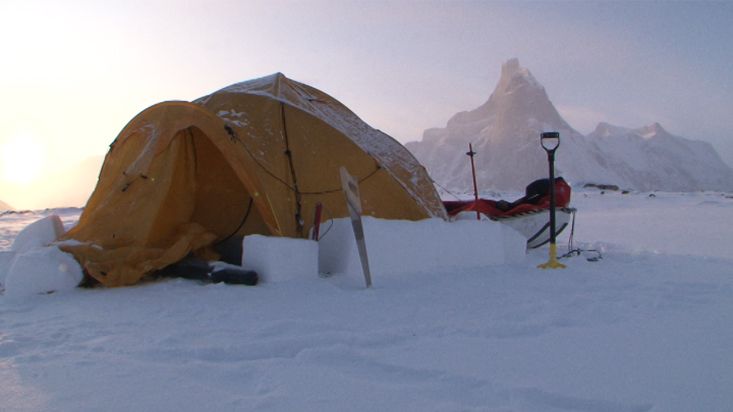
(254, 157)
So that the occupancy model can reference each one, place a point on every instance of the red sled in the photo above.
(529, 215)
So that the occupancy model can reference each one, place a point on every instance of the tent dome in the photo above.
(252, 158)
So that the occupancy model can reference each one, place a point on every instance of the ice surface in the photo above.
(646, 328)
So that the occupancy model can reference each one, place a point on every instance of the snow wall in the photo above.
(393, 246)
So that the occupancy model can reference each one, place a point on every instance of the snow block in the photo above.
(277, 259)
(399, 246)
(42, 270)
(6, 258)
(38, 234)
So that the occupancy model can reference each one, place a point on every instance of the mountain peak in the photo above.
(510, 67)
(514, 76)
(604, 130)
(651, 131)
(504, 132)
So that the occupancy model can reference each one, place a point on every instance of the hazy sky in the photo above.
(74, 72)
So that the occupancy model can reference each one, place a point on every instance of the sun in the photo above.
(21, 159)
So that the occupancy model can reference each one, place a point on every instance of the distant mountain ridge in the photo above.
(505, 132)
(651, 158)
(4, 206)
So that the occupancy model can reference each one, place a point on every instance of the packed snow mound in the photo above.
(38, 234)
(418, 247)
(393, 247)
(505, 133)
(42, 270)
(34, 266)
(278, 259)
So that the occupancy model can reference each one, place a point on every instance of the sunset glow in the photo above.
(77, 71)
(22, 159)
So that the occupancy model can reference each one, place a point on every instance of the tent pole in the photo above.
(298, 200)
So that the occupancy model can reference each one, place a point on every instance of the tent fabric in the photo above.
(253, 158)
(230, 102)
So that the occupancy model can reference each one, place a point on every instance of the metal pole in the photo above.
(550, 142)
(551, 161)
(471, 154)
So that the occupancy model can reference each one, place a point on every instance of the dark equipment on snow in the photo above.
(234, 276)
(194, 268)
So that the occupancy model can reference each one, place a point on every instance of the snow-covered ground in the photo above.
(649, 327)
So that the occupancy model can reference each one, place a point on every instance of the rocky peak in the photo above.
(606, 130)
(514, 77)
(519, 101)
(652, 131)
